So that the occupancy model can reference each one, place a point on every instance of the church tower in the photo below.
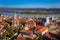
(15, 20)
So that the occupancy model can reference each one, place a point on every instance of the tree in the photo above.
(8, 32)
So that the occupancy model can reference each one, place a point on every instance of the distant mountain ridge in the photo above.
(30, 8)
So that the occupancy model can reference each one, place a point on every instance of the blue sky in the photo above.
(30, 3)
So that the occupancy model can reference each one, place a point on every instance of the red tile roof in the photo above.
(38, 27)
(2, 30)
(3, 23)
(43, 29)
(29, 31)
(31, 22)
(48, 35)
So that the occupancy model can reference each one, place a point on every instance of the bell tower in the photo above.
(15, 20)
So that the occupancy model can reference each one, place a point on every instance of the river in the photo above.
(30, 15)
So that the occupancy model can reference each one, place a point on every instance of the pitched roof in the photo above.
(3, 23)
(43, 30)
(30, 21)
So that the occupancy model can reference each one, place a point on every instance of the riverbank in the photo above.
(31, 10)
(30, 15)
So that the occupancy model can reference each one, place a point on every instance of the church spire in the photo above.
(15, 15)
